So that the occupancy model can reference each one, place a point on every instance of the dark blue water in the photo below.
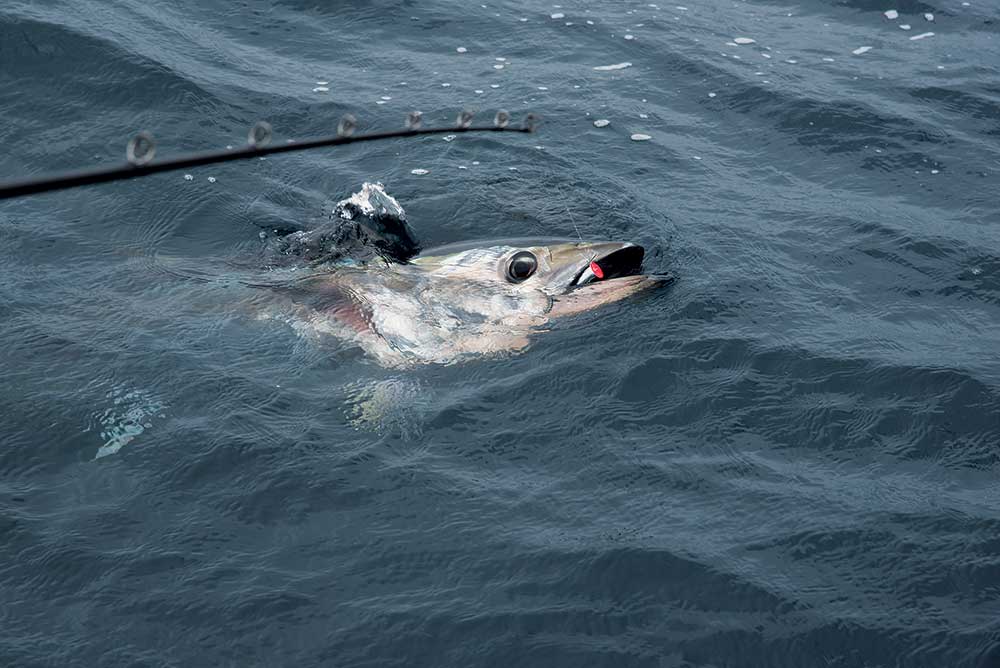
(787, 458)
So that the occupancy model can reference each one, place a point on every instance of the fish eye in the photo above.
(521, 266)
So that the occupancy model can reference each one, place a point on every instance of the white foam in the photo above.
(450, 137)
(419, 172)
(211, 179)
(542, 88)
(922, 35)
(744, 40)
(609, 68)
(322, 83)
(904, 26)
(478, 92)
(189, 177)
(461, 49)
(602, 123)
(640, 137)
(629, 37)
(320, 89)
(928, 16)
(494, 85)
(712, 94)
(766, 55)
(500, 60)
(861, 49)
(558, 15)
(643, 115)
(828, 60)
(891, 14)
(386, 97)
(498, 67)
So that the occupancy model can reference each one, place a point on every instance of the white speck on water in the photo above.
(891, 14)
(975, 271)
(640, 137)
(609, 68)
(500, 60)
(322, 83)
(386, 97)
(498, 67)
(419, 172)
(189, 177)
(569, 23)
(321, 89)
(461, 49)
(792, 61)
(542, 88)
(828, 60)
(940, 67)
(475, 162)
(494, 85)
(211, 179)
(712, 94)
(558, 15)
(590, 23)
(643, 115)
(928, 16)
(861, 49)
(965, 4)
(478, 92)
(744, 40)
(229, 147)
(921, 36)
(629, 37)
(731, 44)
(766, 55)
(445, 85)
(602, 123)
(379, 101)
(523, 20)
(450, 137)
(696, 157)
(682, 9)
(934, 171)
(904, 26)
(513, 169)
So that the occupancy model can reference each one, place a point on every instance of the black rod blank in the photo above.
(73, 179)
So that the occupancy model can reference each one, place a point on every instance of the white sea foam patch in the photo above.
(744, 40)
(923, 35)
(611, 68)
(861, 49)
(891, 14)
(130, 415)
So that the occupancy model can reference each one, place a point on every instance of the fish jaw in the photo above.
(598, 294)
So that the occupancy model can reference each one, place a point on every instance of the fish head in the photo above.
(542, 277)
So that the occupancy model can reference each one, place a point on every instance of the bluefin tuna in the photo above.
(448, 304)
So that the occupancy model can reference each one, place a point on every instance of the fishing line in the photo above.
(141, 149)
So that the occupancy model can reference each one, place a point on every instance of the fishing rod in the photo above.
(141, 149)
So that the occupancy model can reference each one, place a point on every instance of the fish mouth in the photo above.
(619, 263)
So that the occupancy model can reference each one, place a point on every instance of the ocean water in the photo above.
(788, 457)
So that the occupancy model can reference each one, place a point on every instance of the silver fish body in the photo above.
(455, 302)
